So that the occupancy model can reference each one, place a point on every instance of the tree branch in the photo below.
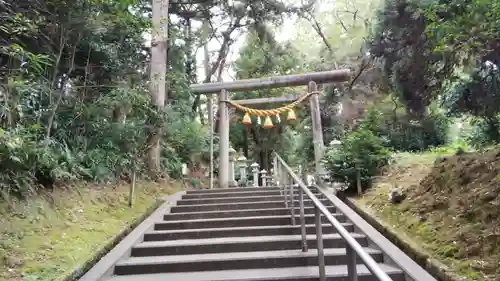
(358, 74)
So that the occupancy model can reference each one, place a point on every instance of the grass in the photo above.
(52, 235)
(434, 219)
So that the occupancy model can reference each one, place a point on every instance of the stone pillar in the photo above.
(223, 140)
(263, 176)
(255, 171)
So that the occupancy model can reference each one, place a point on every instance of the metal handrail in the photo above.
(353, 248)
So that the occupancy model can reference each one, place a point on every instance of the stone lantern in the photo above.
(263, 176)
(255, 171)
(242, 164)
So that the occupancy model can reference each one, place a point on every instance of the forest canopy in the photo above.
(75, 81)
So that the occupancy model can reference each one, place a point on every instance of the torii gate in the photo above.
(222, 88)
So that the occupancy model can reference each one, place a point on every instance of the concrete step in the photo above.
(224, 200)
(241, 206)
(304, 273)
(232, 189)
(162, 235)
(237, 222)
(238, 213)
(229, 261)
(237, 244)
(274, 192)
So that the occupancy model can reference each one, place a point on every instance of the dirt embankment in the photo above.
(452, 209)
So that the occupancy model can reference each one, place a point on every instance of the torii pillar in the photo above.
(317, 128)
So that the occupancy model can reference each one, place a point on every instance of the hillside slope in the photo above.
(452, 209)
(50, 236)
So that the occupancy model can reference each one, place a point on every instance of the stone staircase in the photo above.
(241, 234)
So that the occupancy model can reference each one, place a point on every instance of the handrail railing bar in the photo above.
(369, 262)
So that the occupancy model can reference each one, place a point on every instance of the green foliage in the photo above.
(390, 121)
(425, 44)
(412, 69)
(455, 25)
(360, 147)
(74, 104)
(262, 56)
(478, 95)
(483, 133)
(457, 147)
(297, 148)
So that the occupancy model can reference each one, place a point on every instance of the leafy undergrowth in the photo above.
(452, 209)
(48, 237)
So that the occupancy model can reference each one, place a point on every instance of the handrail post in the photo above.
(275, 168)
(284, 184)
(352, 271)
(292, 201)
(319, 241)
(303, 231)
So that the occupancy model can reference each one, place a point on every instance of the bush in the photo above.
(89, 144)
(483, 132)
(360, 146)
(404, 133)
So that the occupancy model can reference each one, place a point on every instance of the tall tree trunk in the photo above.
(158, 77)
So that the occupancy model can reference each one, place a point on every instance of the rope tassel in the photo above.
(268, 123)
(291, 115)
(246, 119)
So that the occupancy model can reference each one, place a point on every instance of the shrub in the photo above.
(403, 132)
(89, 144)
(483, 132)
(360, 146)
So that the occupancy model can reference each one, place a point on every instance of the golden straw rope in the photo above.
(271, 112)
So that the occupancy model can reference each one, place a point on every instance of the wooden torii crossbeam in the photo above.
(222, 88)
(341, 75)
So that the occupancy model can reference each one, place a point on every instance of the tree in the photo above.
(478, 95)
(158, 75)
(454, 25)
(414, 72)
(332, 34)
(74, 102)
(262, 56)
(424, 44)
(227, 18)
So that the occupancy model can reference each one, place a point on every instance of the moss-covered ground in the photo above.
(452, 209)
(49, 236)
